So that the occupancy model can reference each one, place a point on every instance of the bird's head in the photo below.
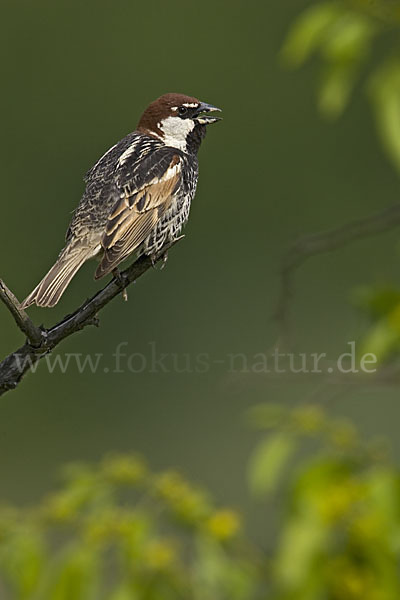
(178, 120)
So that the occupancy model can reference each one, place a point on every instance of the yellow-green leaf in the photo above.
(384, 89)
(308, 32)
(268, 462)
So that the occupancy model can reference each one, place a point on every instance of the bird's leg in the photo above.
(164, 256)
(164, 259)
(120, 280)
(155, 259)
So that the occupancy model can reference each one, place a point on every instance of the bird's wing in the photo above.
(144, 198)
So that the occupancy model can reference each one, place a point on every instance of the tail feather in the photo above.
(51, 288)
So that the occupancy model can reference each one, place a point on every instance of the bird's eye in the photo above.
(182, 110)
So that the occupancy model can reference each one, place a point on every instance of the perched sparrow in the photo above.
(137, 195)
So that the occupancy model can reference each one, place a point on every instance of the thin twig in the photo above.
(42, 341)
(320, 243)
(33, 333)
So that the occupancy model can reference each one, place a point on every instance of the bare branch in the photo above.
(328, 241)
(42, 341)
(24, 323)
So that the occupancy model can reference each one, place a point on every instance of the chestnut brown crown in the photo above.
(175, 115)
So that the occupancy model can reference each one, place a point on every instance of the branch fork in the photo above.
(41, 341)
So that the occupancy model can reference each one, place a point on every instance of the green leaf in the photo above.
(350, 38)
(302, 542)
(123, 592)
(309, 31)
(268, 462)
(344, 47)
(384, 88)
(216, 575)
(381, 340)
(76, 576)
(376, 301)
(335, 88)
(22, 559)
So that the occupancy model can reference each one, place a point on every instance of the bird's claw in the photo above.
(120, 279)
(164, 259)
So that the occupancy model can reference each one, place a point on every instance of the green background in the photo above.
(75, 79)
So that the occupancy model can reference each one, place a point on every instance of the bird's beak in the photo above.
(206, 108)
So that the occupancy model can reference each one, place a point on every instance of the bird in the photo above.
(137, 196)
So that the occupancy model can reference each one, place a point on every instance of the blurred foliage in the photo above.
(118, 531)
(356, 41)
(339, 534)
(381, 305)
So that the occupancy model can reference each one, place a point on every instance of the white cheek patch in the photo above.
(175, 131)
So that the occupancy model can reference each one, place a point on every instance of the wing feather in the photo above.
(136, 214)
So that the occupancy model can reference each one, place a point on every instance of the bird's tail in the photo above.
(51, 288)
